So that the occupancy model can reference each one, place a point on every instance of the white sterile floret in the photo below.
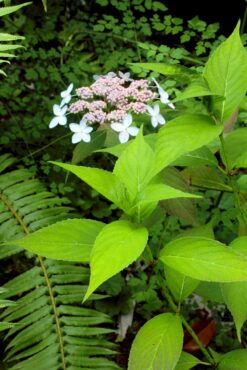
(81, 132)
(125, 76)
(156, 117)
(66, 95)
(60, 118)
(124, 129)
(164, 97)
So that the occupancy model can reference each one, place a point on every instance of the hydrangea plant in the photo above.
(110, 101)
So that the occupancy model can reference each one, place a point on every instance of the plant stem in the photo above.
(188, 327)
(44, 147)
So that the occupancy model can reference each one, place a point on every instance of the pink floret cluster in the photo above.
(110, 98)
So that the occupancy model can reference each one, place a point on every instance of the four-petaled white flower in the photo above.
(125, 76)
(66, 95)
(60, 118)
(156, 117)
(164, 97)
(81, 132)
(124, 129)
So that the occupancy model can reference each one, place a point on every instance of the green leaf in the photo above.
(234, 360)
(183, 135)
(83, 150)
(180, 207)
(207, 177)
(44, 2)
(180, 285)
(104, 182)
(210, 291)
(204, 259)
(198, 87)
(198, 157)
(235, 297)
(132, 169)
(10, 9)
(235, 294)
(8, 37)
(116, 247)
(7, 47)
(69, 240)
(187, 362)
(235, 149)
(158, 344)
(157, 192)
(6, 55)
(226, 74)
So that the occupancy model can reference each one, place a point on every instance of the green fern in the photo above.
(5, 37)
(54, 330)
(5, 303)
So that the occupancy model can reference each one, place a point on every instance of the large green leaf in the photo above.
(235, 149)
(210, 291)
(187, 362)
(105, 182)
(157, 192)
(182, 135)
(235, 297)
(234, 360)
(135, 166)
(198, 157)
(69, 240)
(198, 87)
(204, 259)
(180, 285)
(83, 150)
(226, 74)
(116, 247)
(207, 177)
(158, 344)
(184, 208)
(235, 294)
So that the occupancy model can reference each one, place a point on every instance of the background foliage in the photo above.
(69, 43)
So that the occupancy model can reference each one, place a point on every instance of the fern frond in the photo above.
(5, 303)
(54, 330)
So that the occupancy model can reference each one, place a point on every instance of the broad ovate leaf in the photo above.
(69, 240)
(226, 74)
(105, 182)
(135, 166)
(180, 285)
(158, 344)
(235, 294)
(235, 297)
(234, 360)
(118, 245)
(198, 87)
(198, 157)
(157, 192)
(183, 135)
(235, 149)
(204, 259)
